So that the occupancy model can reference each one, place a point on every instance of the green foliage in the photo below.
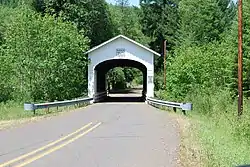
(160, 20)
(12, 110)
(203, 21)
(119, 78)
(92, 16)
(138, 80)
(203, 70)
(116, 78)
(224, 137)
(43, 57)
(126, 21)
(199, 67)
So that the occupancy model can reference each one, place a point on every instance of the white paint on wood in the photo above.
(120, 47)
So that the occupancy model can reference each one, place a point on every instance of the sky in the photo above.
(136, 2)
(131, 2)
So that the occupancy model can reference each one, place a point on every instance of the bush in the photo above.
(43, 56)
(199, 68)
(116, 78)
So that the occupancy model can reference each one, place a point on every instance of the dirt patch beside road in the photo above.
(190, 154)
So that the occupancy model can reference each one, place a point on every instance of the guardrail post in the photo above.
(184, 112)
(174, 109)
(183, 106)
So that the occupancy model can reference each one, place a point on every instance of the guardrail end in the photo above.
(29, 106)
(187, 106)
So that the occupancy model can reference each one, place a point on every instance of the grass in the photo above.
(223, 136)
(215, 135)
(12, 110)
(12, 114)
(211, 141)
(219, 142)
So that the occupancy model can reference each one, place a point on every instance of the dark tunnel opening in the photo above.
(125, 95)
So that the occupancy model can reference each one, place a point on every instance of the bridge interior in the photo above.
(124, 95)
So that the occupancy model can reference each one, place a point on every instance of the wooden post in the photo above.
(240, 80)
(164, 53)
(184, 112)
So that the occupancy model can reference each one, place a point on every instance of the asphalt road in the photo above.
(104, 135)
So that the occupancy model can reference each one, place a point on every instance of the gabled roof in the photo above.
(124, 37)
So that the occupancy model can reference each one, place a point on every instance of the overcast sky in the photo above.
(132, 2)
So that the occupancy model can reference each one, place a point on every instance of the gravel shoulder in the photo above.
(190, 154)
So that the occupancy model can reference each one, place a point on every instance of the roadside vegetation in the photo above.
(41, 54)
(203, 70)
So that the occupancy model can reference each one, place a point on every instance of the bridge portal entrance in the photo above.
(119, 51)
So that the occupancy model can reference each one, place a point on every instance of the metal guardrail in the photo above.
(33, 107)
(183, 106)
(99, 96)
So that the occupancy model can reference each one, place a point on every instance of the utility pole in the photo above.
(164, 54)
(240, 80)
(164, 44)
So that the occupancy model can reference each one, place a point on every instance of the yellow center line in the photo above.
(44, 147)
(57, 147)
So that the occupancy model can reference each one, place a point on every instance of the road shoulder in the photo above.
(190, 153)
(9, 124)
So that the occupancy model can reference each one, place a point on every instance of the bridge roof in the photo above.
(126, 38)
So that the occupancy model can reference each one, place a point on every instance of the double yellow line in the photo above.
(52, 149)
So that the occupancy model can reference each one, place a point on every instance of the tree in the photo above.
(126, 21)
(116, 78)
(230, 38)
(160, 21)
(44, 57)
(204, 21)
(92, 16)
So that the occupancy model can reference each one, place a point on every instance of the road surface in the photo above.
(100, 135)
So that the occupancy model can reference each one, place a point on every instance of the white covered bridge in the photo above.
(119, 51)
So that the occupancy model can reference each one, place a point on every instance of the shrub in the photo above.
(43, 56)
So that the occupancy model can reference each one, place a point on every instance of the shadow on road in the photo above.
(125, 95)
(126, 91)
(124, 99)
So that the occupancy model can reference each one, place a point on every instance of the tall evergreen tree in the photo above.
(160, 21)
(203, 21)
(126, 21)
(92, 16)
